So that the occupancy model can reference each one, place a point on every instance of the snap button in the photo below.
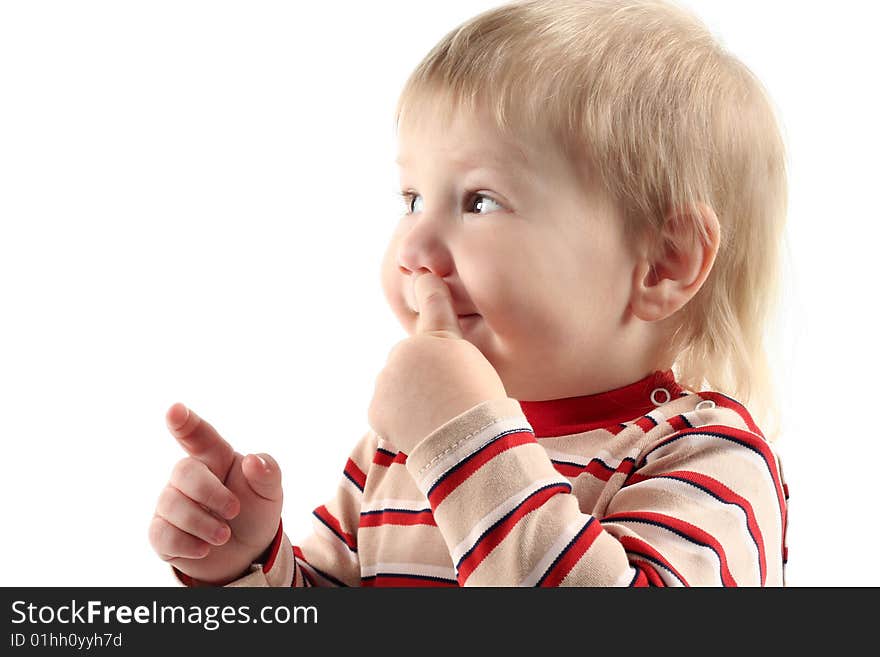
(708, 404)
(654, 398)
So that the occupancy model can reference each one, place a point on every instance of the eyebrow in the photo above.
(505, 166)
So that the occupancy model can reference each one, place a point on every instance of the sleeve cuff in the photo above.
(275, 567)
(463, 435)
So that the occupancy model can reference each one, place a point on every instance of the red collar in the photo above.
(560, 417)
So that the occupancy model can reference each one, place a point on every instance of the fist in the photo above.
(432, 376)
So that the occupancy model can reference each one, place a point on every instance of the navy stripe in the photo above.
(351, 479)
(686, 421)
(740, 506)
(471, 456)
(635, 577)
(565, 486)
(654, 561)
(671, 439)
(674, 531)
(564, 551)
(429, 578)
(377, 511)
(595, 460)
(584, 467)
(326, 576)
(385, 451)
(305, 575)
(335, 533)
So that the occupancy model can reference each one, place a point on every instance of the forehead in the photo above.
(465, 139)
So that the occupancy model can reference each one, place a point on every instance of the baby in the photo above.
(595, 195)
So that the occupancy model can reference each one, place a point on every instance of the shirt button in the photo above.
(654, 396)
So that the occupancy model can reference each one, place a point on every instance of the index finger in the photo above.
(436, 314)
(200, 440)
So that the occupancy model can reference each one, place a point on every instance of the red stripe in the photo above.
(572, 555)
(494, 536)
(641, 580)
(456, 477)
(759, 445)
(330, 520)
(650, 573)
(380, 581)
(353, 471)
(682, 527)
(273, 550)
(383, 459)
(725, 402)
(394, 517)
(727, 495)
(645, 423)
(595, 467)
(678, 423)
(633, 544)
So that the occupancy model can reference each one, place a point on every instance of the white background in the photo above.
(194, 201)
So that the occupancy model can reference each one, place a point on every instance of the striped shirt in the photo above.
(645, 485)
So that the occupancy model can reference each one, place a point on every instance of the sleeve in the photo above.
(328, 555)
(696, 509)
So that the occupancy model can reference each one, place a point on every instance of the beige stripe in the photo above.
(553, 551)
(472, 421)
(497, 513)
(487, 488)
(603, 564)
(396, 543)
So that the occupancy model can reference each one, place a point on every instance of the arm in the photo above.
(698, 509)
(326, 557)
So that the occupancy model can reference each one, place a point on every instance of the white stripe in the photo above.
(662, 570)
(425, 569)
(459, 451)
(352, 488)
(734, 449)
(338, 544)
(734, 515)
(388, 503)
(624, 580)
(553, 551)
(666, 541)
(499, 512)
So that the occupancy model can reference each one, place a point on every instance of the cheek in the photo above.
(392, 281)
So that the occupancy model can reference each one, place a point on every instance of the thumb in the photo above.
(263, 475)
(434, 301)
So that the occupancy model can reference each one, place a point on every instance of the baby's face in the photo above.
(523, 244)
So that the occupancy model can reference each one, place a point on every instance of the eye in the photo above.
(409, 197)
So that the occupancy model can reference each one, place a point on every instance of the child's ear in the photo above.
(666, 278)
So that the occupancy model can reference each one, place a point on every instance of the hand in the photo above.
(433, 375)
(214, 489)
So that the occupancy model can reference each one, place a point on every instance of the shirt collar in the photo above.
(569, 415)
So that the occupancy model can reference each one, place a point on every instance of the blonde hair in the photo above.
(667, 119)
